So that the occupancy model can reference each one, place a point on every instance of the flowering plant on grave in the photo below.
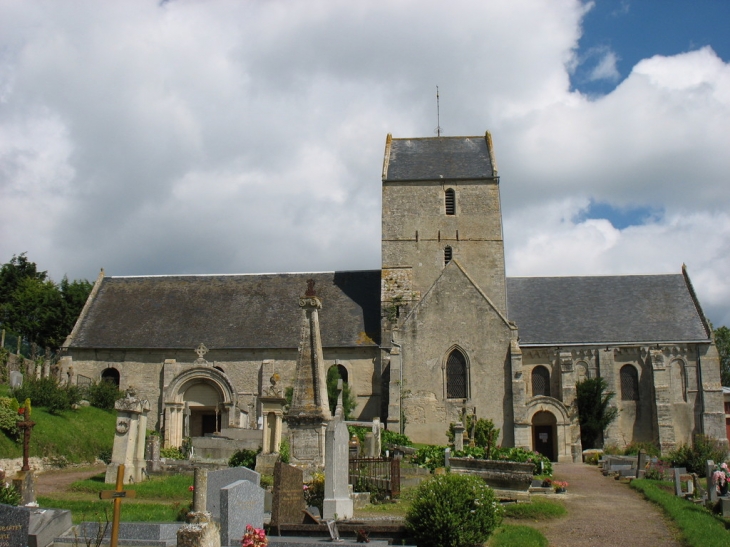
(721, 475)
(560, 486)
(254, 537)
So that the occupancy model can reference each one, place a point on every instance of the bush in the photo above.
(595, 412)
(694, 457)
(9, 416)
(103, 394)
(314, 492)
(172, 452)
(430, 457)
(105, 455)
(244, 458)
(650, 448)
(284, 451)
(9, 495)
(391, 437)
(47, 393)
(453, 511)
(543, 466)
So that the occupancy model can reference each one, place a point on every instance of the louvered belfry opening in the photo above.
(540, 381)
(629, 383)
(456, 385)
(450, 201)
(448, 255)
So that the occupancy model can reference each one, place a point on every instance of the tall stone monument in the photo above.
(129, 439)
(272, 402)
(336, 491)
(309, 413)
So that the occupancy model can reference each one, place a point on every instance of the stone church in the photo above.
(437, 331)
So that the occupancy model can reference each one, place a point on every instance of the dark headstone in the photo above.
(14, 523)
(288, 496)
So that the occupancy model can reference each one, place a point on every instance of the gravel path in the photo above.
(603, 512)
(58, 480)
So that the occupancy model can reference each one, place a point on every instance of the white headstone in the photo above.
(336, 461)
(16, 379)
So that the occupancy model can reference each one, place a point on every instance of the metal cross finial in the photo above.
(438, 114)
(201, 351)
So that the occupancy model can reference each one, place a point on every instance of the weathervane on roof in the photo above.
(438, 114)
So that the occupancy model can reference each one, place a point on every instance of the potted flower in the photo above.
(560, 487)
(720, 477)
(254, 537)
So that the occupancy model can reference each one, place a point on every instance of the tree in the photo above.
(34, 307)
(348, 399)
(722, 341)
(594, 412)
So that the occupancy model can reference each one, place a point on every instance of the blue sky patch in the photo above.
(619, 217)
(617, 34)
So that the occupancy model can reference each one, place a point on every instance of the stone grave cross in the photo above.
(117, 495)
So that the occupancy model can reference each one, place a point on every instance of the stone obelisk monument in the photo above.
(309, 413)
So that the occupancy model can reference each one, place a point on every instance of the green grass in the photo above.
(517, 536)
(131, 511)
(173, 487)
(538, 509)
(78, 435)
(698, 526)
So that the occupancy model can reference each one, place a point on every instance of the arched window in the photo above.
(456, 378)
(540, 381)
(629, 383)
(110, 375)
(450, 201)
(448, 254)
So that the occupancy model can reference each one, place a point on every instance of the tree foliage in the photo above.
(348, 399)
(722, 341)
(594, 411)
(34, 307)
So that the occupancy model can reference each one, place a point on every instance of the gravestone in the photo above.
(309, 412)
(220, 479)
(377, 438)
(152, 454)
(288, 496)
(241, 503)
(711, 486)
(678, 472)
(130, 431)
(641, 464)
(47, 524)
(14, 524)
(458, 437)
(337, 499)
(447, 458)
(16, 379)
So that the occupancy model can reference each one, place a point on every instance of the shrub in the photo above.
(103, 394)
(453, 511)
(9, 495)
(391, 437)
(172, 452)
(650, 448)
(105, 455)
(543, 466)
(9, 416)
(430, 457)
(314, 492)
(694, 457)
(284, 451)
(47, 393)
(244, 458)
(594, 411)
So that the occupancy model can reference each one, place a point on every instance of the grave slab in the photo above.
(47, 524)
(149, 534)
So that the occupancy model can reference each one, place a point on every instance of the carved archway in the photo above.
(192, 398)
(551, 416)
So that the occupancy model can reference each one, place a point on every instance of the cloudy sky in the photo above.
(188, 136)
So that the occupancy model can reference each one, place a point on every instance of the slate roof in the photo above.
(585, 310)
(230, 311)
(433, 158)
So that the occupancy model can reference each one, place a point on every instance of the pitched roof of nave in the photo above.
(229, 311)
(465, 158)
(604, 309)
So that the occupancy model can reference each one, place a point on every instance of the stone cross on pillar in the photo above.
(24, 481)
(26, 425)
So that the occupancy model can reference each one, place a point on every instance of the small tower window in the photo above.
(456, 381)
(448, 255)
(629, 383)
(540, 381)
(450, 201)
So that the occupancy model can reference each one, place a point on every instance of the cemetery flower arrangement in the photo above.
(721, 475)
(254, 537)
(560, 486)
(314, 492)
(657, 471)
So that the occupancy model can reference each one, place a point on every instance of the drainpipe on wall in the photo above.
(401, 425)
